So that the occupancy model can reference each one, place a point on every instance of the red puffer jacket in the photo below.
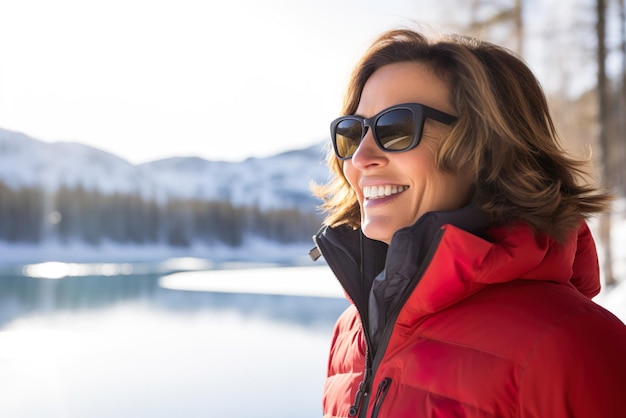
(472, 327)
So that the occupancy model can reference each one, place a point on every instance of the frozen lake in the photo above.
(120, 344)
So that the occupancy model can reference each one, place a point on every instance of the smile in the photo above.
(377, 192)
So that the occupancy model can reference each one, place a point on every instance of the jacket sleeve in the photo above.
(577, 369)
(346, 364)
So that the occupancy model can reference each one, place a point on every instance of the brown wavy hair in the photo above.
(504, 136)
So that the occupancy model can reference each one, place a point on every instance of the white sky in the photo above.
(148, 79)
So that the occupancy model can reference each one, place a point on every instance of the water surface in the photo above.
(122, 345)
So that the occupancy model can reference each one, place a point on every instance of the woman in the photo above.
(456, 225)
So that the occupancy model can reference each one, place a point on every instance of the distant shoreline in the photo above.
(253, 251)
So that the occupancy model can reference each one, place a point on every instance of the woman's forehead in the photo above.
(405, 82)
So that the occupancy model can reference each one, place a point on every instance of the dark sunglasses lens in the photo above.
(348, 135)
(395, 130)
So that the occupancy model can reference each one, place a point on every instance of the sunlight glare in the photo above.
(57, 270)
(48, 270)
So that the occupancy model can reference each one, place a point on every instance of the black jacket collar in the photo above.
(356, 259)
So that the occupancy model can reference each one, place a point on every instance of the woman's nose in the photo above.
(368, 155)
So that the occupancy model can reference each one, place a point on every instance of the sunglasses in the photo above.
(396, 129)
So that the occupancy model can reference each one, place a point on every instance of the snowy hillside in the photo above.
(278, 181)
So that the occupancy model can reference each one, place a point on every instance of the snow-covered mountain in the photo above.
(275, 182)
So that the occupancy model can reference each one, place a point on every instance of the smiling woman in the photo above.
(420, 187)
(463, 248)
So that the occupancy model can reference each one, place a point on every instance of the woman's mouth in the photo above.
(378, 192)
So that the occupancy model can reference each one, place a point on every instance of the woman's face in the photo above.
(410, 182)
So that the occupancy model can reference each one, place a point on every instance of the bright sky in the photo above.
(148, 79)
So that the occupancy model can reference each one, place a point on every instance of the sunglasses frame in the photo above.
(415, 108)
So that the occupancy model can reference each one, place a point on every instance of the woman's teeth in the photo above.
(376, 192)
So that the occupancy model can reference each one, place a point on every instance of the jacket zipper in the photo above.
(361, 394)
(363, 391)
(381, 392)
(382, 347)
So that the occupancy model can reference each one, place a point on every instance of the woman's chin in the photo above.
(378, 230)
